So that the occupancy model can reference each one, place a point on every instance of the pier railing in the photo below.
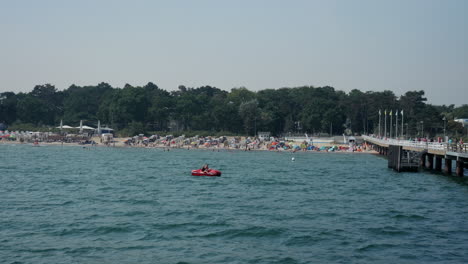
(454, 147)
(461, 148)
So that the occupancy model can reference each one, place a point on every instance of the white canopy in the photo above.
(65, 126)
(86, 127)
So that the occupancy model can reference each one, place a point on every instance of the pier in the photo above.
(405, 155)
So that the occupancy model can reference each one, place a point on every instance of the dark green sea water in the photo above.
(118, 205)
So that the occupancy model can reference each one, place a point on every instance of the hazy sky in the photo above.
(369, 45)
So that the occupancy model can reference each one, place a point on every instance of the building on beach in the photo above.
(463, 121)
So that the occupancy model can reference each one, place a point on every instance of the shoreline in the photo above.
(120, 144)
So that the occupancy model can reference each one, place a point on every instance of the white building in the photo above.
(463, 121)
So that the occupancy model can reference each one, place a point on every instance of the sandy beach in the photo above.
(265, 146)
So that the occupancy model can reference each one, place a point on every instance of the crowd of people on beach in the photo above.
(43, 137)
(240, 143)
(181, 142)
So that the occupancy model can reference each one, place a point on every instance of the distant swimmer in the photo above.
(293, 159)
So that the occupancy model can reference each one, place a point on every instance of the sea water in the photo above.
(128, 205)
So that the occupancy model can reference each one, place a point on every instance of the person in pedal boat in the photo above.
(205, 168)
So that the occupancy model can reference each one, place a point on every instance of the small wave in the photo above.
(111, 229)
(137, 202)
(248, 232)
(408, 256)
(83, 250)
(286, 260)
(166, 226)
(409, 217)
(178, 213)
(67, 203)
(135, 213)
(138, 247)
(170, 225)
(387, 230)
(64, 181)
(67, 232)
(92, 216)
(302, 241)
(8, 167)
(44, 250)
(376, 247)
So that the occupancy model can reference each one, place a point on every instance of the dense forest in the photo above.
(149, 109)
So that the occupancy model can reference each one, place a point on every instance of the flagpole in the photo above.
(385, 135)
(391, 123)
(380, 132)
(396, 124)
(402, 134)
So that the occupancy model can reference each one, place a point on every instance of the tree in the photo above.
(461, 112)
(207, 108)
(8, 104)
(249, 114)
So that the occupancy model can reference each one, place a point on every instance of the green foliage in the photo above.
(133, 128)
(8, 107)
(209, 110)
(249, 113)
(461, 112)
(31, 127)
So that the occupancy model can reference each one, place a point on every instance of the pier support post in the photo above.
(422, 161)
(430, 161)
(438, 163)
(459, 171)
(448, 166)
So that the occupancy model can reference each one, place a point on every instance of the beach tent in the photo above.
(107, 130)
(84, 127)
(65, 126)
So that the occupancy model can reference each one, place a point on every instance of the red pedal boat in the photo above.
(209, 172)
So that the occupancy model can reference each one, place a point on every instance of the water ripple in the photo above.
(106, 205)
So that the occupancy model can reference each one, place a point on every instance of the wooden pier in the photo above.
(404, 155)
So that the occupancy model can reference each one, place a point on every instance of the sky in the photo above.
(370, 45)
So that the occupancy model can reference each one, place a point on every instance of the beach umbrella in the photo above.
(61, 125)
(99, 126)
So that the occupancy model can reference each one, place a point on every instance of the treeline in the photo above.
(306, 109)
